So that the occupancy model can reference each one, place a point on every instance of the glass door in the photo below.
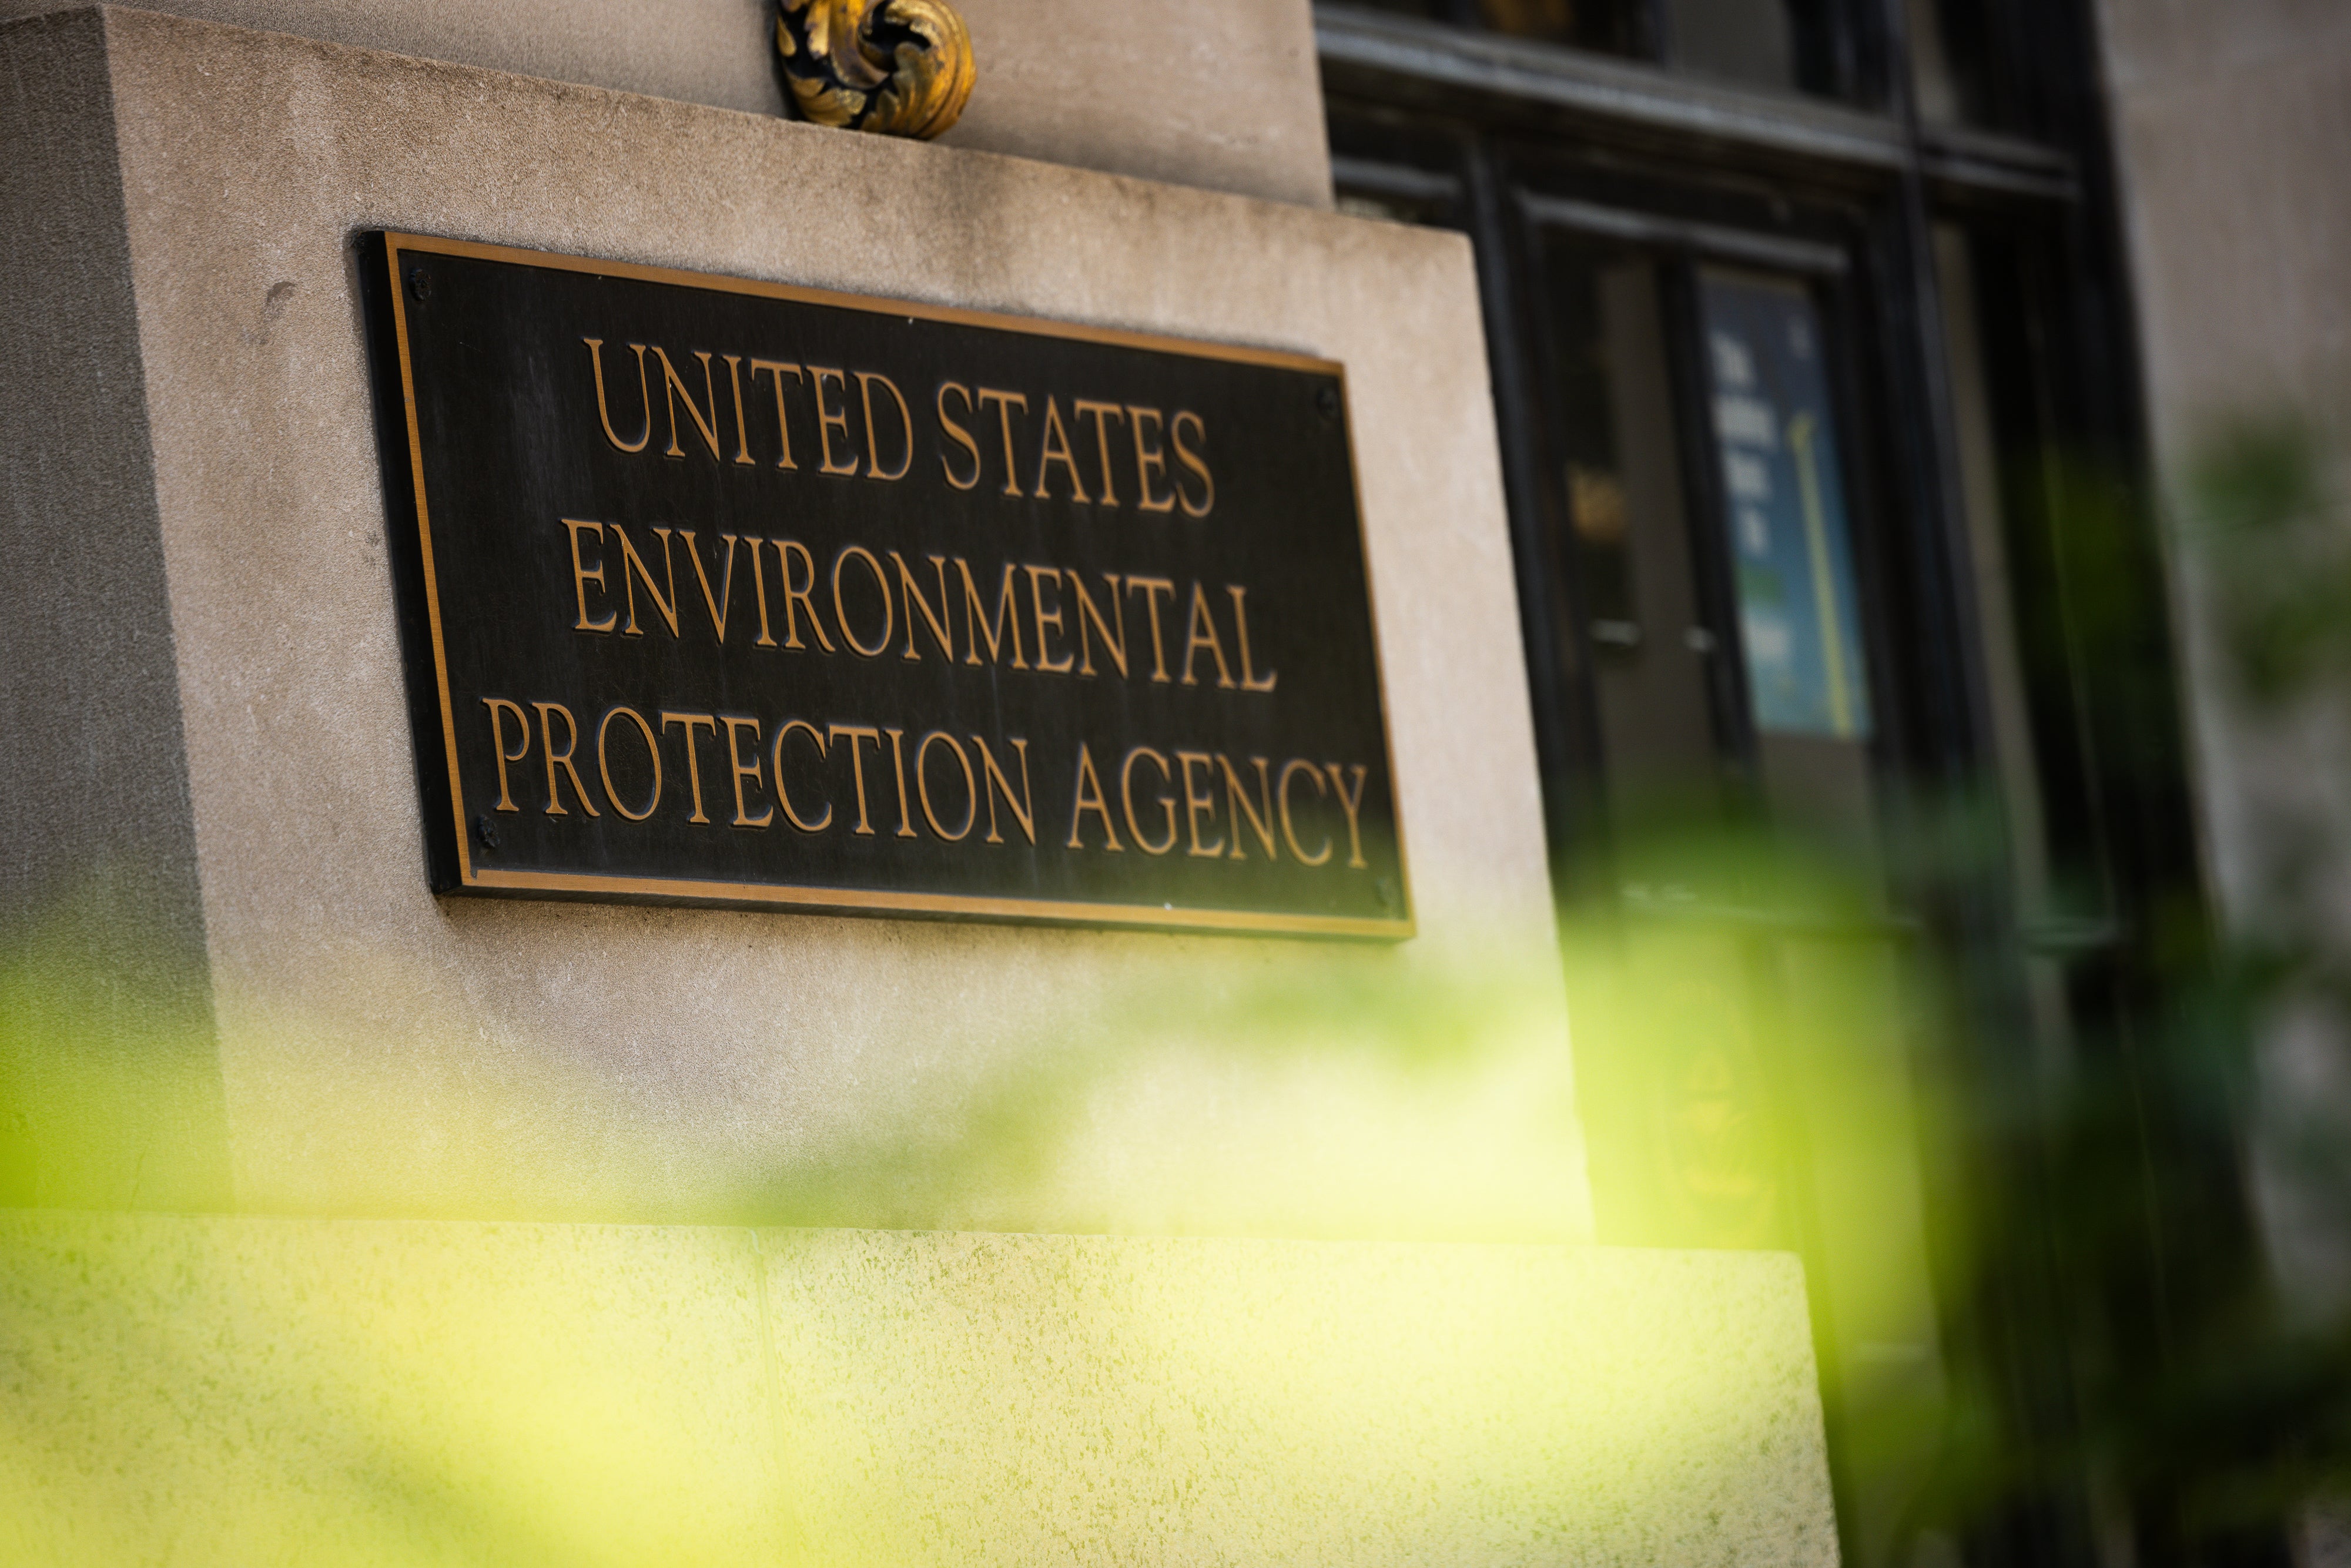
(1744, 1047)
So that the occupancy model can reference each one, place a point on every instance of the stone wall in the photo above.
(392, 1354)
(374, 1049)
(2233, 125)
(1223, 95)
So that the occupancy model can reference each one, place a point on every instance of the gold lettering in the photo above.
(499, 707)
(841, 612)
(693, 758)
(798, 599)
(857, 732)
(1055, 448)
(783, 429)
(1195, 462)
(866, 379)
(759, 587)
(563, 759)
(1007, 609)
(1149, 459)
(922, 786)
(1153, 587)
(916, 602)
(1203, 634)
(783, 796)
(1005, 402)
(1195, 801)
(1249, 681)
(1259, 817)
(1090, 798)
(718, 603)
(898, 763)
(742, 432)
(997, 782)
(603, 412)
(1288, 828)
(735, 728)
(1115, 646)
(604, 762)
(1101, 411)
(1352, 805)
(956, 432)
(582, 576)
(1039, 576)
(673, 388)
(826, 421)
(633, 569)
(1166, 803)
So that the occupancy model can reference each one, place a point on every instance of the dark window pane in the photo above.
(1386, 165)
(2016, 760)
(1629, 527)
(1933, 82)
(1798, 618)
(1609, 25)
(1950, 61)
(1747, 41)
(1432, 10)
(1782, 44)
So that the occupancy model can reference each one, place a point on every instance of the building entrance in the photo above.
(1805, 332)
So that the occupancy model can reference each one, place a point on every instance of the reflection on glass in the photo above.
(1792, 560)
(1647, 584)
(1799, 623)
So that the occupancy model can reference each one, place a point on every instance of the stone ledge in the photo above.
(246, 1390)
(1225, 96)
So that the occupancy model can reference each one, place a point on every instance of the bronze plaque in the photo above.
(718, 591)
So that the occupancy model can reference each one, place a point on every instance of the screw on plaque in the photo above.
(420, 285)
(1326, 401)
(487, 831)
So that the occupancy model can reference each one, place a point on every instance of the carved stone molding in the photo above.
(902, 68)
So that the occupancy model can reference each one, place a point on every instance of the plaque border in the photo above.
(853, 901)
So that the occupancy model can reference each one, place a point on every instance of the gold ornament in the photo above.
(902, 68)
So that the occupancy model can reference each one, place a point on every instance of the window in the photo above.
(1788, 391)
(1785, 46)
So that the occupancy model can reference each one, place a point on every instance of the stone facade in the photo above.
(240, 998)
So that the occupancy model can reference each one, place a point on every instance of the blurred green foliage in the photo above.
(2082, 1311)
(2204, 1401)
(2267, 527)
